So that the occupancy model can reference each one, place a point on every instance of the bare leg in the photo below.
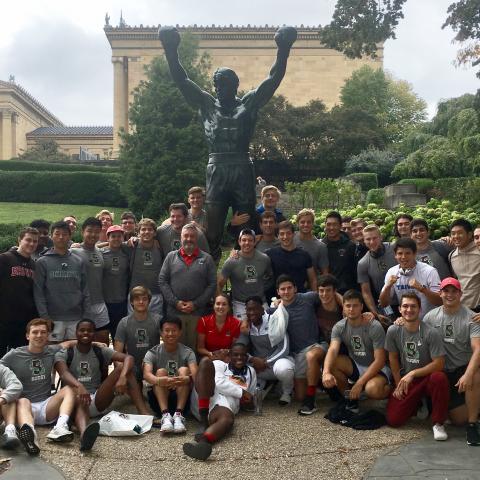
(161, 393)
(377, 388)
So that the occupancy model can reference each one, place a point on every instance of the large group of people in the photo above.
(143, 310)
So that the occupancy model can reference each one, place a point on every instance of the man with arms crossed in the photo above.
(461, 339)
(364, 366)
(417, 357)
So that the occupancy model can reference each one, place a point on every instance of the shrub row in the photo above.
(366, 181)
(20, 165)
(90, 188)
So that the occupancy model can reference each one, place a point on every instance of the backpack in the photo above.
(98, 353)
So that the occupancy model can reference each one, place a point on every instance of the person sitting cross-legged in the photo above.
(364, 367)
(170, 367)
(417, 359)
(220, 388)
(84, 367)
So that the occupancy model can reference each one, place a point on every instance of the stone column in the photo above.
(120, 99)
(6, 147)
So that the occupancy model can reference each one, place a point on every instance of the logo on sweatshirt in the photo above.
(147, 258)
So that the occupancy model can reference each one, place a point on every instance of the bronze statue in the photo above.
(229, 123)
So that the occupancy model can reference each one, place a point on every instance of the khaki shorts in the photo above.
(301, 359)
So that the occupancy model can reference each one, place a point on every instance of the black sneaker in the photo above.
(27, 437)
(352, 406)
(473, 437)
(308, 407)
(197, 450)
(89, 436)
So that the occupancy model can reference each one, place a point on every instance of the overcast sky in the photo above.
(58, 51)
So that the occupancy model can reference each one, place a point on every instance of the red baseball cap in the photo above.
(114, 228)
(449, 281)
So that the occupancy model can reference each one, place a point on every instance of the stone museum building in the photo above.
(314, 72)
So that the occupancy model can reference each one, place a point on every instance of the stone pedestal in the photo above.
(403, 193)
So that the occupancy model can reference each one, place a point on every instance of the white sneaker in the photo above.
(285, 399)
(439, 432)
(9, 440)
(179, 423)
(167, 423)
(60, 433)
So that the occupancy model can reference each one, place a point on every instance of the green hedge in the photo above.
(424, 185)
(376, 195)
(461, 191)
(366, 181)
(90, 188)
(19, 165)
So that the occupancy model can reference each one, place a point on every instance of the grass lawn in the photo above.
(26, 212)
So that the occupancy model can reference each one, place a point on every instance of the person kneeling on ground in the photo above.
(170, 368)
(220, 388)
(364, 367)
(417, 358)
(85, 368)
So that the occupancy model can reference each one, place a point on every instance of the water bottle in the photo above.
(258, 401)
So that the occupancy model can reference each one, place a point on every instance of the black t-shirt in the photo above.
(291, 262)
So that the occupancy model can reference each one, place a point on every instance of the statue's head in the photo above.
(226, 83)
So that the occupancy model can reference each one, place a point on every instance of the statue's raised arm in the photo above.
(170, 39)
(284, 38)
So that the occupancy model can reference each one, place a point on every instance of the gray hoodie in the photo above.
(60, 287)
(10, 386)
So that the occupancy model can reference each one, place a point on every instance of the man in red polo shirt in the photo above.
(188, 280)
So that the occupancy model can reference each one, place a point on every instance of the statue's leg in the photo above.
(217, 205)
(243, 193)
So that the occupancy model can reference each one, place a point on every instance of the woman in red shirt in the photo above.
(219, 331)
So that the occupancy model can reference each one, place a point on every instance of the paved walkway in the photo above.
(426, 458)
(23, 467)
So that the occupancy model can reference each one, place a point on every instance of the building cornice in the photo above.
(24, 96)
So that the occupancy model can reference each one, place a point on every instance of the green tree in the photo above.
(165, 153)
(397, 108)
(359, 26)
(373, 160)
(45, 151)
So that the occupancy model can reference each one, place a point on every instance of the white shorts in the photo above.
(93, 411)
(155, 306)
(39, 412)
(233, 404)
(63, 331)
(100, 315)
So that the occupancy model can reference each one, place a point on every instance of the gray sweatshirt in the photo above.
(60, 287)
(10, 386)
(196, 282)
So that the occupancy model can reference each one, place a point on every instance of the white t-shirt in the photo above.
(424, 274)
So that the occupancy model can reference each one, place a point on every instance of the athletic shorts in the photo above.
(63, 331)
(232, 403)
(300, 359)
(100, 315)
(359, 370)
(93, 411)
(457, 399)
(39, 412)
